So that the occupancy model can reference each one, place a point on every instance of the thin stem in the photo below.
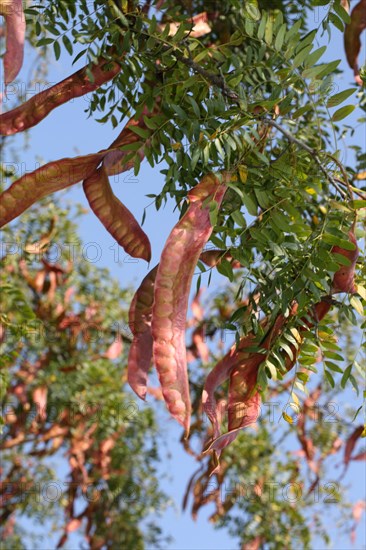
(311, 151)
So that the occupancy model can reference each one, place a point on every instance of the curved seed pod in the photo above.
(115, 217)
(218, 375)
(51, 177)
(343, 279)
(173, 281)
(12, 10)
(352, 42)
(39, 106)
(244, 402)
(139, 320)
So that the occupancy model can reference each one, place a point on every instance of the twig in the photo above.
(354, 189)
(311, 151)
(216, 80)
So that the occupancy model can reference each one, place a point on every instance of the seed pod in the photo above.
(352, 41)
(115, 217)
(344, 278)
(39, 106)
(173, 281)
(51, 177)
(139, 320)
(241, 367)
(12, 10)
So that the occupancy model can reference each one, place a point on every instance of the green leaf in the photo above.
(199, 57)
(346, 376)
(342, 13)
(337, 22)
(341, 259)
(57, 49)
(131, 146)
(333, 366)
(301, 56)
(330, 378)
(356, 304)
(302, 376)
(251, 7)
(262, 25)
(141, 132)
(182, 114)
(293, 30)
(336, 99)
(358, 203)
(213, 212)
(314, 57)
(342, 243)
(280, 37)
(195, 106)
(272, 369)
(225, 268)
(44, 42)
(321, 70)
(78, 56)
(343, 112)
(332, 355)
(268, 34)
(67, 44)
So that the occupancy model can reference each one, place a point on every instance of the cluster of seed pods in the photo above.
(63, 173)
(162, 302)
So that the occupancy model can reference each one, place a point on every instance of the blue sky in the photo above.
(67, 132)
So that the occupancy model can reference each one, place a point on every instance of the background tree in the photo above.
(77, 453)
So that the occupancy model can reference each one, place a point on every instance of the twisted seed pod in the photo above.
(139, 320)
(173, 280)
(115, 217)
(241, 367)
(39, 106)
